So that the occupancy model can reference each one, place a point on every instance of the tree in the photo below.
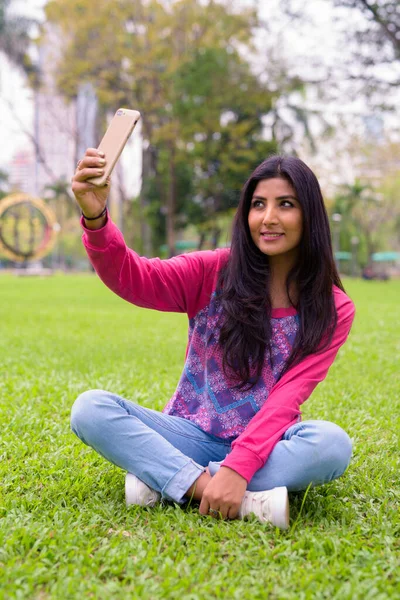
(220, 105)
(374, 36)
(4, 186)
(15, 38)
(357, 206)
(368, 61)
(371, 214)
(381, 29)
(180, 62)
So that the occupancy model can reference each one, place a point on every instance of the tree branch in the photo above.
(384, 25)
(36, 145)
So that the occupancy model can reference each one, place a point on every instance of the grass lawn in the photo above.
(64, 529)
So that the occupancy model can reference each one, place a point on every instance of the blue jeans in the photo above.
(169, 453)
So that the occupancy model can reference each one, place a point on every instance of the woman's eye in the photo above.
(286, 204)
(257, 203)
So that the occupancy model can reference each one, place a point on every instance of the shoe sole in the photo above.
(280, 508)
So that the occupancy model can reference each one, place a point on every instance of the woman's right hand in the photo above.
(90, 197)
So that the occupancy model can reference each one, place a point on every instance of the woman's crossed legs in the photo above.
(169, 453)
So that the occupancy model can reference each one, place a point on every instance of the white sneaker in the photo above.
(137, 492)
(270, 505)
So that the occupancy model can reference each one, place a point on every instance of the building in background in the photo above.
(22, 172)
(61, 130)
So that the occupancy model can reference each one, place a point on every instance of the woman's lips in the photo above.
(271, 236)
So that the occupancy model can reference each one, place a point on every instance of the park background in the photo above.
(220, 85)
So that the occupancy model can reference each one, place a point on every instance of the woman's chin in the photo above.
(271, 251)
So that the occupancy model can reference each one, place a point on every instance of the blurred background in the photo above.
(220, 85)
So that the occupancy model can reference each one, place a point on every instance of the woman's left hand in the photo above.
(223, 494)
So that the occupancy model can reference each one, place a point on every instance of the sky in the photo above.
(16, 105)
(15, 111)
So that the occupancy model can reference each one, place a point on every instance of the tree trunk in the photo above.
(145, 231)
(170, 216)
(120, 196)
(216, 234)
(202, 239)
(370, 246)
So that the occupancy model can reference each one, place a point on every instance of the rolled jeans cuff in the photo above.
(176, 488)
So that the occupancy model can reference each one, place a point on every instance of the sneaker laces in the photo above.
(256, 503)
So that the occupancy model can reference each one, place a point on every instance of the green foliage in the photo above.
(220, 105)
(65, 532)
(182, 65)
(4, 186)
(186, 210)
(368, 214)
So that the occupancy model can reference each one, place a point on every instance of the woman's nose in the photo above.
(270, 216)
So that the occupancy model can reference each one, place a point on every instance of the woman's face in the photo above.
(276, 218)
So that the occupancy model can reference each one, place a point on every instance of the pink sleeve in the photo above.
(180, 284)
(251, 449)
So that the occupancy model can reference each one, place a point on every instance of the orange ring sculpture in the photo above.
(8, 224)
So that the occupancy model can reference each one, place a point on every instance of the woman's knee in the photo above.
(84, 413)
(335, 448)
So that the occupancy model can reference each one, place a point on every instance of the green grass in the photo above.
(64, 529)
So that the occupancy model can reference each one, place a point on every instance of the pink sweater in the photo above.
(254, 421)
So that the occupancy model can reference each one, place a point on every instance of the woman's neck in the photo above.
(279, 271)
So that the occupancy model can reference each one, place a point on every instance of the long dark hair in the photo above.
(243, 283)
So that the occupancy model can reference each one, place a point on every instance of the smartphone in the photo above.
(114, 140)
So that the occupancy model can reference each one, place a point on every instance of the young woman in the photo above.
(266, 320)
